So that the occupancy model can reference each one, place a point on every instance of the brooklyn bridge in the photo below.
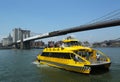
(109, 20)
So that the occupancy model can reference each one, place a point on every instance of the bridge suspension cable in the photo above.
(114, 15)
(34, 34)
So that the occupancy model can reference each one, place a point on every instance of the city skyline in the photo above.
(46, 16)
(15, 35)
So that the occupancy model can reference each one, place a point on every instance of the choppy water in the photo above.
(19, 66)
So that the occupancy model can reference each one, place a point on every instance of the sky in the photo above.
(42, 16)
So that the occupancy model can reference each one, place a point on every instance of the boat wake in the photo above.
(39, 65)
(35, 62)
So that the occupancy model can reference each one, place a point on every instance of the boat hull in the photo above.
(81, 69)
(100, 68)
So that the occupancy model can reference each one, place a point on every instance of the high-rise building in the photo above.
(7, 41)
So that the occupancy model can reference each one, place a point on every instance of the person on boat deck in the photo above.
(76, 58)
(98, 56)
(62, 45)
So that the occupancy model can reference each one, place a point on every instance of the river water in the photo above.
(19, 66)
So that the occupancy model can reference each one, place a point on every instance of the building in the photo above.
(7, 41)
(108, 43)
(37, 44)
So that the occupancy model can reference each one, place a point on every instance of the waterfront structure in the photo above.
(7, 41)
(37, 44)
(108, 43)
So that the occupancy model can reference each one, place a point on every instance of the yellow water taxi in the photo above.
(71, 55)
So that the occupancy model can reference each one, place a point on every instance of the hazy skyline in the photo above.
(42, 16)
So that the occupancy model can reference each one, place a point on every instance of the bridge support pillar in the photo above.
(21, 45)
(27, 45)
(16, 46)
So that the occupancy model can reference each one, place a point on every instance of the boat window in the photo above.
(100, 56)
(84, 54)
(76, 58)
(63, 55)
(57, 55)
(44, 54)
